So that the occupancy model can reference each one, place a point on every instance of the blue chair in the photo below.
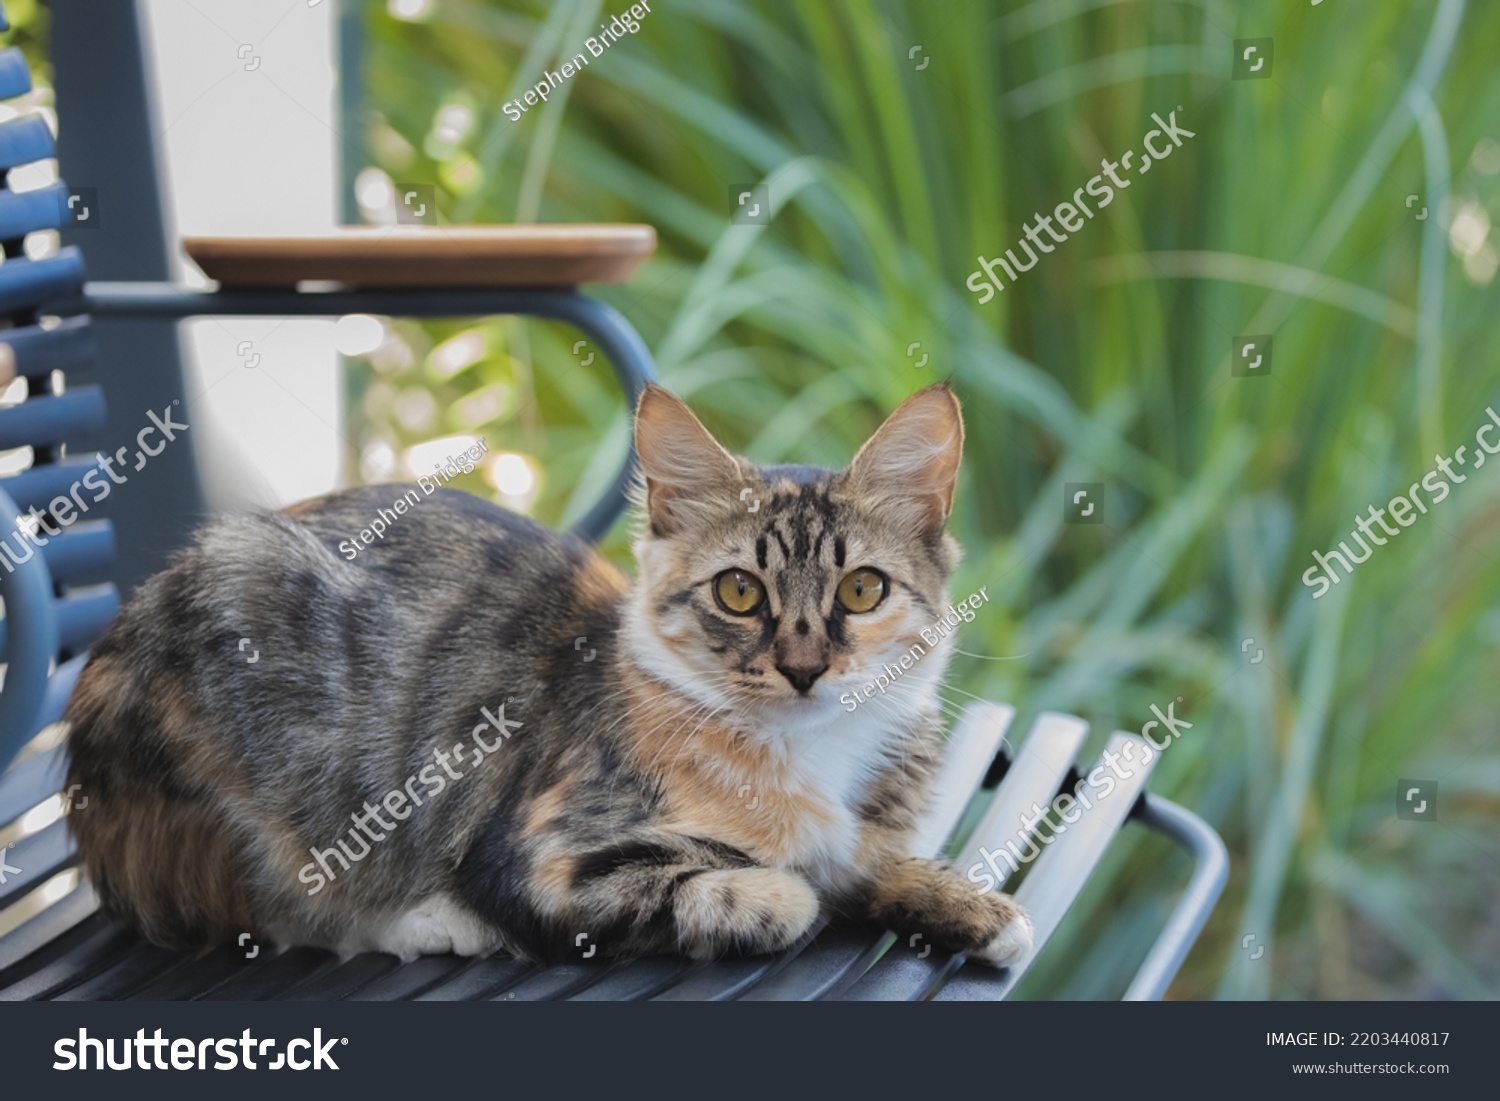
(53, 941)
(52, 613)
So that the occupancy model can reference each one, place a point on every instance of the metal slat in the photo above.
(488, 977)
(31, 781)
(85, 546)
(39, 486)
(84, 614)
(140, 965)
(559, 981)
(28, 211)
(24, 140)
(345, 980)
(86, 944)
(26, 284)
(196, 977)
(15, 77)
(52, 922)
(898, 976)
(27, 590)
(67, 345)
(40, 857)
(275, 977)
(81, 618)
(50, 419)
(726, 979)
(421, 974)
(1035, 778)
(1061, 872)
(823, 966)
(636, 980)
(977, 740)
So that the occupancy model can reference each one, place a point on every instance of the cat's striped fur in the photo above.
(656, 774)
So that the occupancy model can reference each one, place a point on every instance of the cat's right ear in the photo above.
(688, 474)
(908, 468)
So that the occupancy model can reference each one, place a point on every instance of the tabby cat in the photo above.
(477, 734)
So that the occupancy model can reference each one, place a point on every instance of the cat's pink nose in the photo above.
(802, 677)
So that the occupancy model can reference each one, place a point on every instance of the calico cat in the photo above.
(478, 734)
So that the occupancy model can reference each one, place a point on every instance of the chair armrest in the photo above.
(621, 344)
(535, 256)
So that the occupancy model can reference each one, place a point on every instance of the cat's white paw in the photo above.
(1011, 945)
(435, 927)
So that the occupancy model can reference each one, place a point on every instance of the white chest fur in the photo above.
(832, 766)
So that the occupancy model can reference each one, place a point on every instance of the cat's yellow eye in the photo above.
(862, 590)
(739, 593)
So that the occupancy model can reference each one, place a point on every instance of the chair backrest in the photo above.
(50, 537)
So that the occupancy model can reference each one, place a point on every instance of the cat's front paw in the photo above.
(1012, 938)
(930, 898)
(754, 910)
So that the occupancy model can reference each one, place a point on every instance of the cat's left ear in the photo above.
(689, 476)
(909, 466)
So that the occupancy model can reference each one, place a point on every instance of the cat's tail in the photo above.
(154, 839)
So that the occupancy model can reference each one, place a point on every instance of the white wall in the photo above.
(249, 148)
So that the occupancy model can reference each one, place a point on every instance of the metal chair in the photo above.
(55, 945)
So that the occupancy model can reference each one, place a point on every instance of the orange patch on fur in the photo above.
(545, 808)
(718, 782)
(202, 761)
(552, 881)
(599, 582)
(173, 866)
(173, 863)
(104, 682)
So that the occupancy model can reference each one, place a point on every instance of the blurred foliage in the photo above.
(29, 21)
(1108, 362)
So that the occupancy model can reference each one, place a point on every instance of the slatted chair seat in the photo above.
(68, 951)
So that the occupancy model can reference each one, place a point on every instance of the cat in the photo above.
(479, 735)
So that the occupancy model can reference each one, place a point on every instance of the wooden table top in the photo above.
(430, 256)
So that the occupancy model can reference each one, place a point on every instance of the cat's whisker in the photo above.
(681, 720)
(942, 684)
(992, 657)
(905, 684)
(632, 685)
(687, 742)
